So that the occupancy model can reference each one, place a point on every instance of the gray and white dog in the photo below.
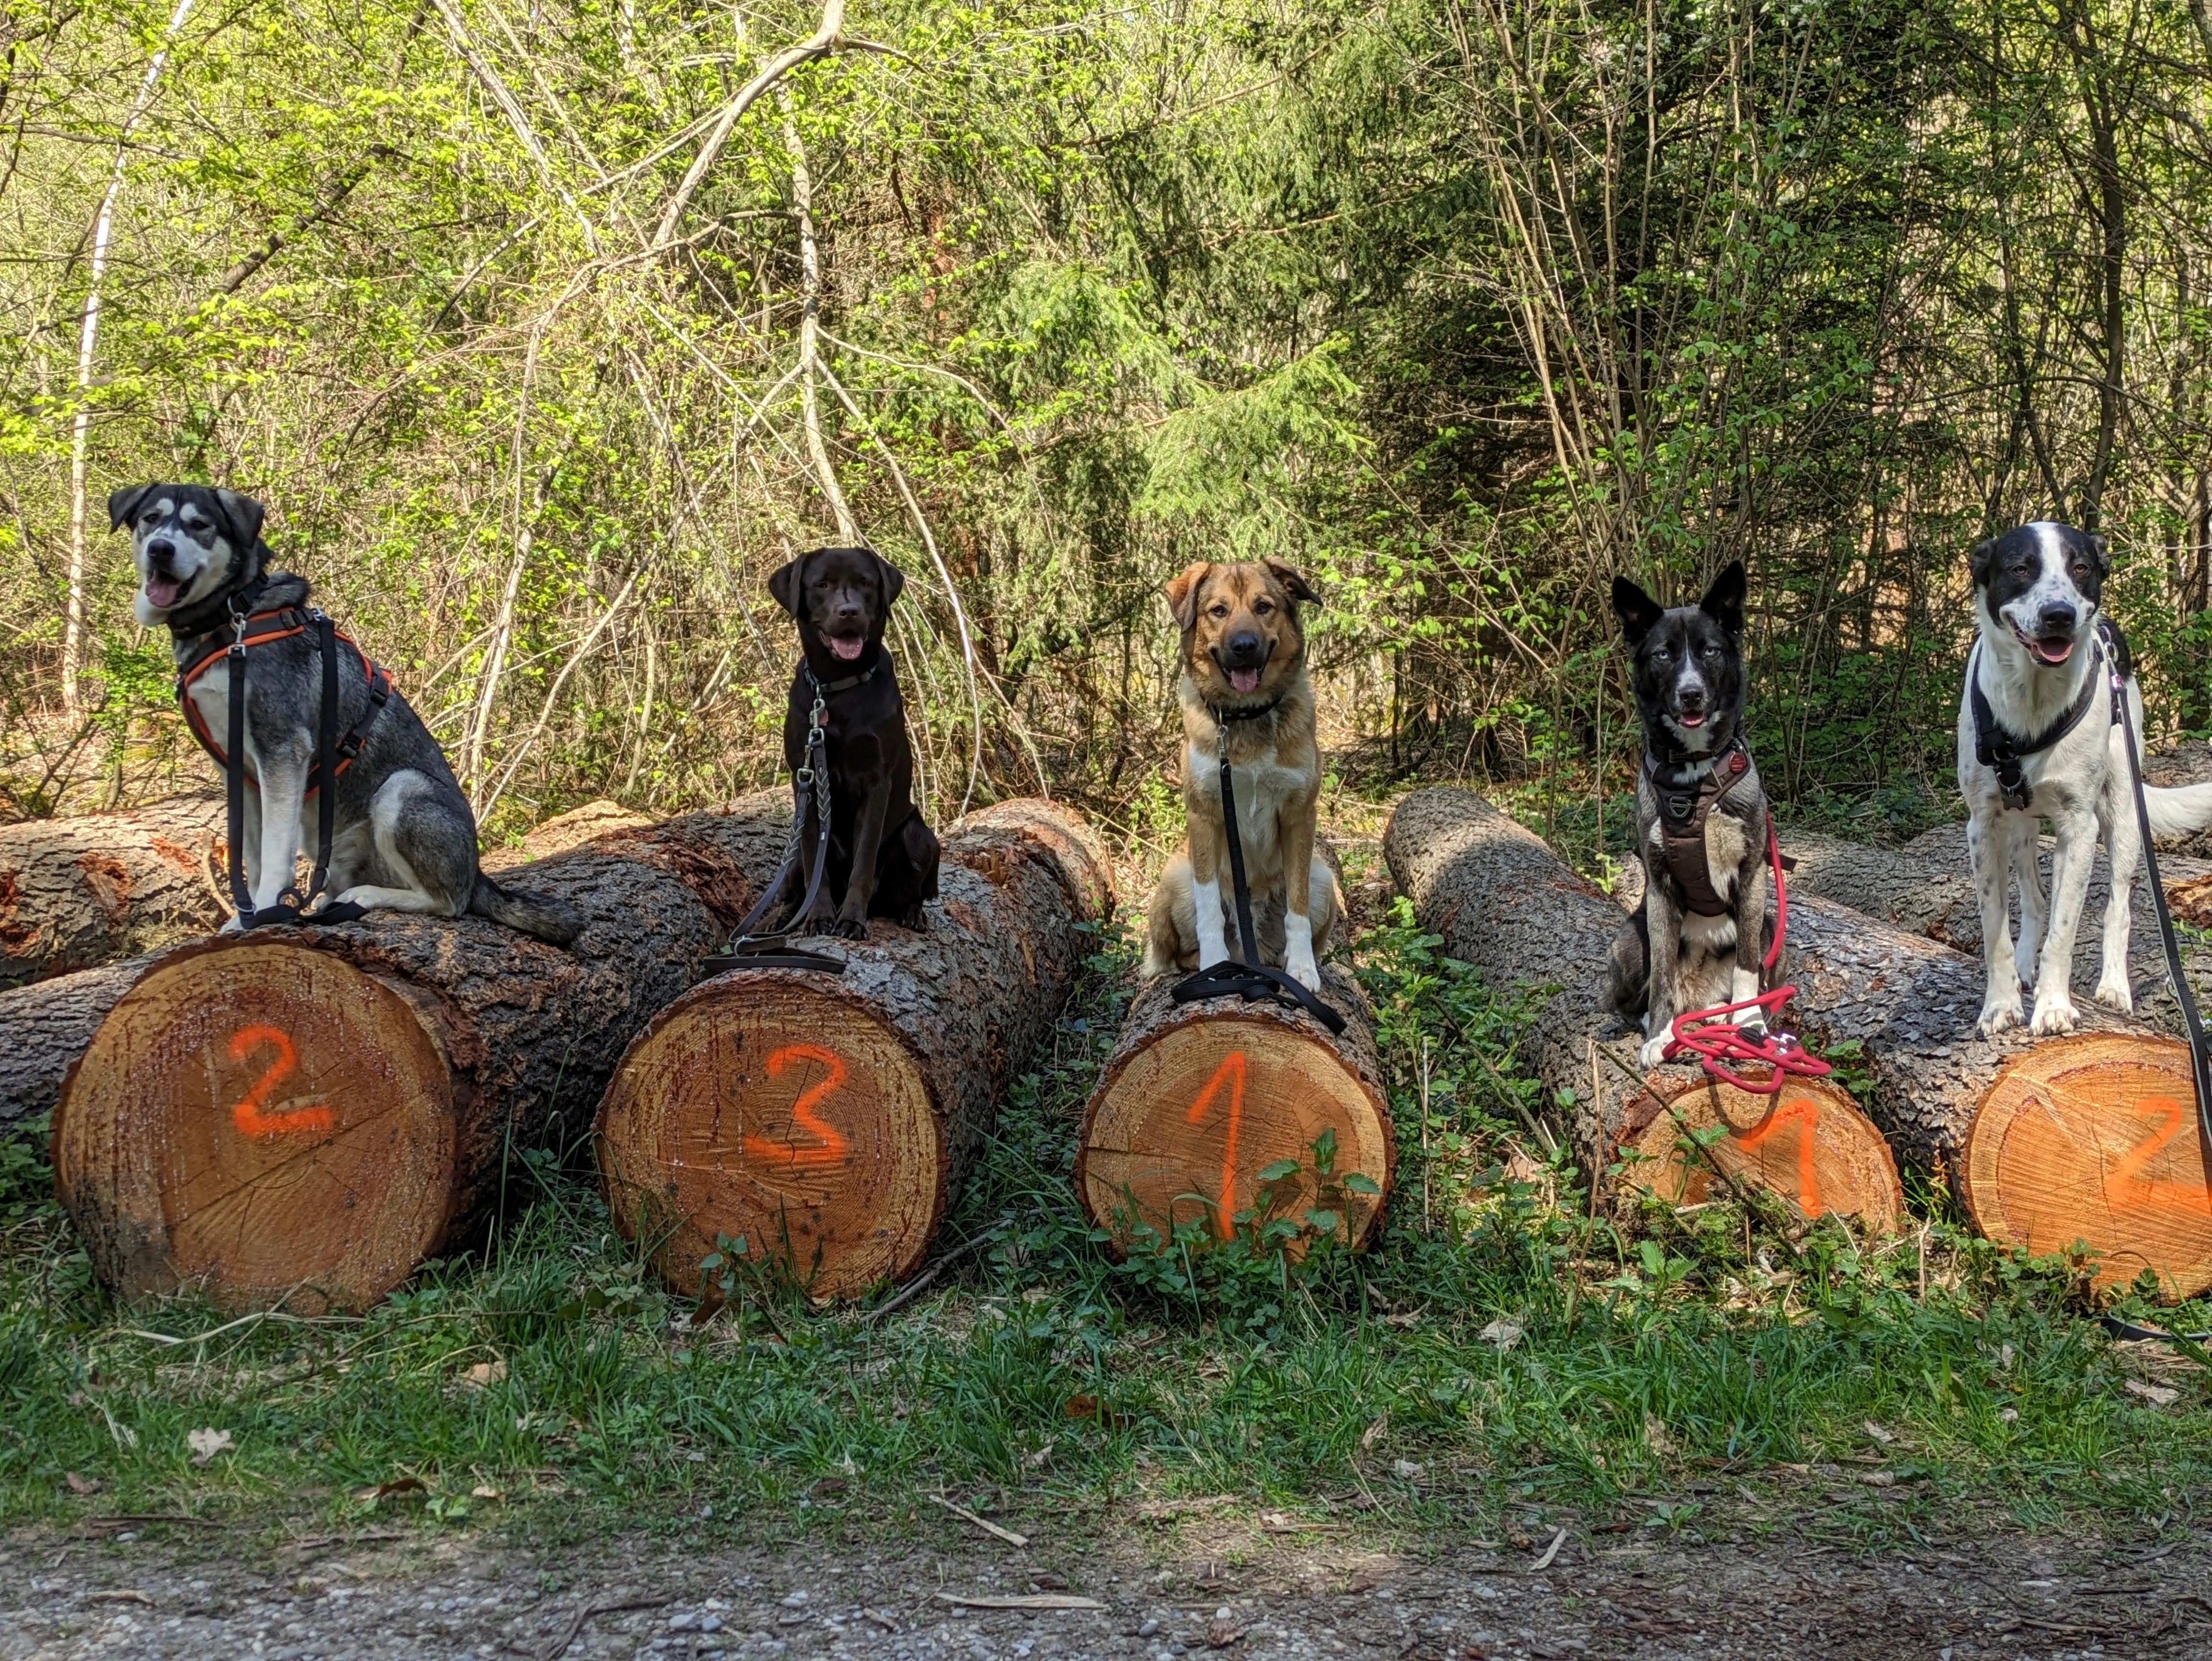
(1698, 939)
(404, 838)
(2038, 740)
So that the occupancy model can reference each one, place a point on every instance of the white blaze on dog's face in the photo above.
(187, 539)
(1242, 640)
(2040, 586)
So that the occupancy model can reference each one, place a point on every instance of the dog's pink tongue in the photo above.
(1244, 680)
(163, 591)
(846, 649)
(2054, 651)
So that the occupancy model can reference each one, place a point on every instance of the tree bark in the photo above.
(1506, 904)
(48, 1024)
(1927, 887)
(820, 1125)
(1198, 1099)
(77, 893)
(303, 1115)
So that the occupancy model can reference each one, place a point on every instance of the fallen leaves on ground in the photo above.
(206, 1443)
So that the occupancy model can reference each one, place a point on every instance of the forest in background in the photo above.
(547, 331)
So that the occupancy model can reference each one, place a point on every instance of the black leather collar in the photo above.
(830, 688)
(2000, 750)
(205, 615)
(1223, 717)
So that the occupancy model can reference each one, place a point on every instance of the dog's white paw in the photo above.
(1301, 967)
(1653, 1051)
(1997, 1014)
(2116, 994)
(2052, 1015)
(232, 925)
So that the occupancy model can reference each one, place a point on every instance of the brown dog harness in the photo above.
(1684, 807)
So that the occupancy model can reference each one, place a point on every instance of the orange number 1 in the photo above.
(829, 1146)
(250, 1115)
(1232, 1072)
(1804, 1115)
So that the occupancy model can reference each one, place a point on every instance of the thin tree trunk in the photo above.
(809, 334)
(73, 630)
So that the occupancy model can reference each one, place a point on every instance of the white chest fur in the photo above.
(1261, 783)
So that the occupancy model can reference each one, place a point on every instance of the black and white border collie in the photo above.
(2036, 610)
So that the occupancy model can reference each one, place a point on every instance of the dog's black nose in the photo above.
(1692, 699)
(162, 551)
(1245, 648)
(2057, 618)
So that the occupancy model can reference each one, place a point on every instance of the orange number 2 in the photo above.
(1804, 1115)
(2127, 1187)
(829, 1145)
(250, 1116)
(1230, 1072)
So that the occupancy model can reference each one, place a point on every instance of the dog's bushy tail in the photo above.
(2179, 810)
(539, 916)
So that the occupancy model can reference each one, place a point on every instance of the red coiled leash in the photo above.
(1713, 1040)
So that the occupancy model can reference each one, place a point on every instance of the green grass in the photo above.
(1657, 1378)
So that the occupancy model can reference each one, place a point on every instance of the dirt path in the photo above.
(1233, 1587)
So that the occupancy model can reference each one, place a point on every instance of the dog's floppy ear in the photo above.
(1182, 593)
(894, 580)
(2099, 552)
(1638, 612)
(785, 582)
(1981, 564)
(1723, 601)
(1293, 585)
(123, 507)
(241, 518)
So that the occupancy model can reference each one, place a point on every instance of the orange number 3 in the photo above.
(250, 1116)
(830, 1146)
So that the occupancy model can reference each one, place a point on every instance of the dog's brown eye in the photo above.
(1216, 612)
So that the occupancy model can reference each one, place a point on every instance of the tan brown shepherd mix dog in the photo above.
(1244, 657)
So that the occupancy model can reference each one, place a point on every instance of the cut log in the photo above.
(1198, 1100)
(821, 1124)
(47, 1026)
(1505, 903)
(303, 1116)
(76, 893)
(2091, 1140)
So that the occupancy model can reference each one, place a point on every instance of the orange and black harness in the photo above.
(334, 753)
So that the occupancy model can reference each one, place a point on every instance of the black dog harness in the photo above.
(2001, 750)
(747, 950)
(334, 753)
(1251, 979)
(1687, 798)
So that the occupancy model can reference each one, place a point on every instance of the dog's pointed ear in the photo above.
(784, 583)
(243, 517)
(1182, 593)
(894, 580)
(123, 505)
(1723, 601)
(1293, 585)
(1638, 612)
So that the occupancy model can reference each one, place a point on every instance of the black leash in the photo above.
(1251, 979)
(2200, 1053)
(747, 950)
(291, 906)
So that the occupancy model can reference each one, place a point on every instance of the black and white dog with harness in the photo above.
(2039, 738)
(400, 835)
(1696, 941)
